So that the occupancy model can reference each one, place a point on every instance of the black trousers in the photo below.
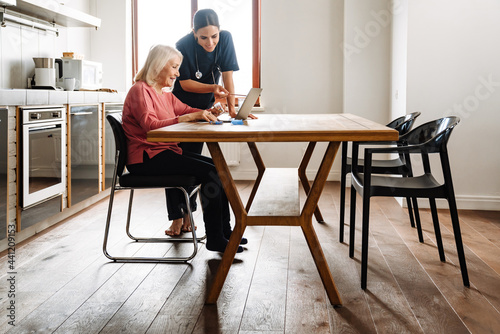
(176, 204)
(214, 202)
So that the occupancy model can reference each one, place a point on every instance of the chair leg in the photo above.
(410, 211)
(343, 176)
(458, 240)
(437, 229)
(352, 224)
(417, 220)
(108, 222)
(364, 240)
(165, 239)
(173, 259)
(129, 214)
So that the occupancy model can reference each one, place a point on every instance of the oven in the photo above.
(43, 154)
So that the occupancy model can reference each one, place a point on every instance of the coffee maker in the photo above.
(45, 73)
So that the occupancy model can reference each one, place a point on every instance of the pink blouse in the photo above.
(144, 110)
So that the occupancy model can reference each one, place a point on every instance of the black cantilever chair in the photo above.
(396, 166)
(125, 180)
(429, 138)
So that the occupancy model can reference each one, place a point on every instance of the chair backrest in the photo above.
(115, 121)
(404, 123)
(433, 135)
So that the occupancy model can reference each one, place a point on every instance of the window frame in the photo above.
(256, 35)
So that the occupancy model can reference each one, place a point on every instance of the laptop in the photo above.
(245, 108)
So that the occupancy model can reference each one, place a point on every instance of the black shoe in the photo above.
(220, 246)
(243, 241)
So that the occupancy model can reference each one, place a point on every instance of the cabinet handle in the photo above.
(81, 113)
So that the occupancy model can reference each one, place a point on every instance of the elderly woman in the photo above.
(149, 106)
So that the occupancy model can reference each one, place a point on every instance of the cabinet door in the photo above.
(84, 151)
(3, 171)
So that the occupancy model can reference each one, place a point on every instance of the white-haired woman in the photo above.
(149, 106)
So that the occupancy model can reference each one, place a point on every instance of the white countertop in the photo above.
(27, 97)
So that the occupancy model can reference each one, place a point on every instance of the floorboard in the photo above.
(66, 285)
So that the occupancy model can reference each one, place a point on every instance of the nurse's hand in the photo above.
(220, 92)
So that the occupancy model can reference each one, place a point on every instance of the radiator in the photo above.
(231, 153)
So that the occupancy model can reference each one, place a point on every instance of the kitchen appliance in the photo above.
(88, 74)
(43, 153)
(45, 73)
(85, 154)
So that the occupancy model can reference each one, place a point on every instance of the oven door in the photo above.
(44, 161)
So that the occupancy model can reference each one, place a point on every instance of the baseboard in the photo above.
(464, 202)
(252, 174)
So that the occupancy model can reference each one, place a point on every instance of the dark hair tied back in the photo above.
(204, 18)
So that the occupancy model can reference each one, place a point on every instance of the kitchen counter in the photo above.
(25, 97)
(13, 98)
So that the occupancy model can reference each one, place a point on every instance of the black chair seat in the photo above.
(419, 186)
(157, 181)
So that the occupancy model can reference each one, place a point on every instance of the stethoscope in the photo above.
(198, 74)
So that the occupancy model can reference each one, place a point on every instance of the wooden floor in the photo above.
(64, 284)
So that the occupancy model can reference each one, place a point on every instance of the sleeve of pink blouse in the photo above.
(144, 110)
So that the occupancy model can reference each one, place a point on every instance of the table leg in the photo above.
(307, 228)
(240, 224)
(305, 181)
(321, 264)
(261, 168)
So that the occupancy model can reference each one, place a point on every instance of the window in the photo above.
(165, 22)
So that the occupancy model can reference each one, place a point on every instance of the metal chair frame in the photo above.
(120, 158)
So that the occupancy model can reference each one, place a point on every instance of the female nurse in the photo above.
(208, 54)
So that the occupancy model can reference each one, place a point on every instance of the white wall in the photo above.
(19, 44)
(454, 68)
(399, 56)
(111, 43)
(301, 70)
(367, 59)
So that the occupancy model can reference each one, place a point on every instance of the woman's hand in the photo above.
(201, 115)
(220, 92)
(217, 109)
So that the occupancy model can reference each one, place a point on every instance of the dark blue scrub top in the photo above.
(210, 64)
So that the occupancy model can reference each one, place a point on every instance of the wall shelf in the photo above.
(53, 12)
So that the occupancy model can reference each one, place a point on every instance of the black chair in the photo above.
(397, 166)
(429, 138)
(125, 180)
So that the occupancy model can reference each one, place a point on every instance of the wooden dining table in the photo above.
(274, 199)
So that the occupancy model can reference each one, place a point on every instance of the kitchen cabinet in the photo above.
(87, 169)
(109, 143)
(53, 12)
(4, 194)
(84, 152)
